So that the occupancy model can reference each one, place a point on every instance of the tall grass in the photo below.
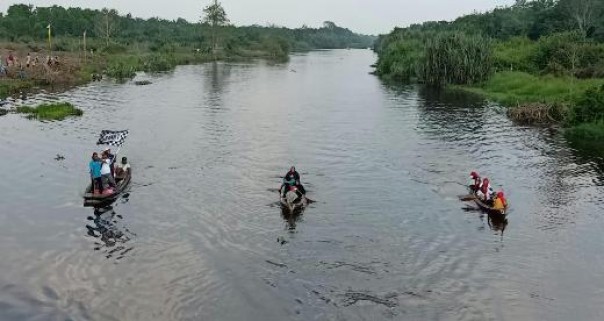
(456, 58)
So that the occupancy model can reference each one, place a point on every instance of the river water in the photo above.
(199, 235)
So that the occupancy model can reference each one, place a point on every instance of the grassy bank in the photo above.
(578, 104)
(519, 88)
(55, 111)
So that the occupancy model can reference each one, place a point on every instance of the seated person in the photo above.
(122, 169)
(292, 178)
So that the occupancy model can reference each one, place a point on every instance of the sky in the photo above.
(363, 16)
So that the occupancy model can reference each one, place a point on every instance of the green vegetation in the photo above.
(111, 33)
(55, 111)
(13, 86)
(94, 42)
(543, 58)
(513, 88)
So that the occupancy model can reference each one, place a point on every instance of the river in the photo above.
(199, 235)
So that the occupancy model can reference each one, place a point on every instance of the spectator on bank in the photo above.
(28, 60)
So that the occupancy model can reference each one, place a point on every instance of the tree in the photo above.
(583, 13)
(106, 24)
(216, 17)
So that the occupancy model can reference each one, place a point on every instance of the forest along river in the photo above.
(200, 236)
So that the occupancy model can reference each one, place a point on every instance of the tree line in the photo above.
(27, 24)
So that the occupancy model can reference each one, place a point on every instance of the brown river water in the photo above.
(199, 235)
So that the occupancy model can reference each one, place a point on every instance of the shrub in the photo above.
(589, 107)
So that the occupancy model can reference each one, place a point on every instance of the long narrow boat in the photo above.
(95, 199)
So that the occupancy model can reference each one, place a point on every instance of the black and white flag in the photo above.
(112, 137)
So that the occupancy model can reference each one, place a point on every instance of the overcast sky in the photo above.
(364, 16)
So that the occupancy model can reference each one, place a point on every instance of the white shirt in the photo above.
(105, 169)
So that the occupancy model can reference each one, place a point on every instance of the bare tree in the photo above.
(216, 17)
(106, 25)
(582, 13)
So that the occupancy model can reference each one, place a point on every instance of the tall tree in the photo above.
(216, 17)
(106, 24)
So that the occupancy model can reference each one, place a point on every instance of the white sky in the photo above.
(364, 16)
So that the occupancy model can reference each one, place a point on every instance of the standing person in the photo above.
(106, 171)
(28, 60)
(36, 60)
(111, 157)
(95, 173)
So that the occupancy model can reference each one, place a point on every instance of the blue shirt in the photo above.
(95, 169)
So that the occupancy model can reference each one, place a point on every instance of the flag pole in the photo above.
(49, 42)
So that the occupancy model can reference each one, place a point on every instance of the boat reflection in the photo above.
(291, 217)
(497, 222)
(107, 227)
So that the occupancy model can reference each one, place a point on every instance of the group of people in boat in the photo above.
(291, 180)
(104, 173)
(483, 190)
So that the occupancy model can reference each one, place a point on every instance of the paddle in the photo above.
(466, 198)
(307, 199)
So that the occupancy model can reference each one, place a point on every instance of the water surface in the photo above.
(199, 236)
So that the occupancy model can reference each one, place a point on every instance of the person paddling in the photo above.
(292, 178)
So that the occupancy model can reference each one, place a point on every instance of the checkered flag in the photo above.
(112, 137)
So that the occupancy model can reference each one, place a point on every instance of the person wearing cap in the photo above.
(122, 169)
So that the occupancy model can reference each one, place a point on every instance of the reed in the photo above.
(456, 58)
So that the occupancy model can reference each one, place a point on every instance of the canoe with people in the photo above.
(485, 197)
(107, 179)
(292, 192)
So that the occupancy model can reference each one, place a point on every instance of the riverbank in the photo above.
(74, 69)
(571, 102)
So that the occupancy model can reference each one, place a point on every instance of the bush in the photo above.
(515, 55)
(589, 107)
(121, 69)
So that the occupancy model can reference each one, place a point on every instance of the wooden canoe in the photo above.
(91, 199)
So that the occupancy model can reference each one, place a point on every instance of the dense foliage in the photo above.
(548, 55)
(27, 24)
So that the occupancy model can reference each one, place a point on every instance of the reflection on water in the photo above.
(387, 240)
(108, 228)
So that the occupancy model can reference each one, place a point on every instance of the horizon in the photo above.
(380, 18)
